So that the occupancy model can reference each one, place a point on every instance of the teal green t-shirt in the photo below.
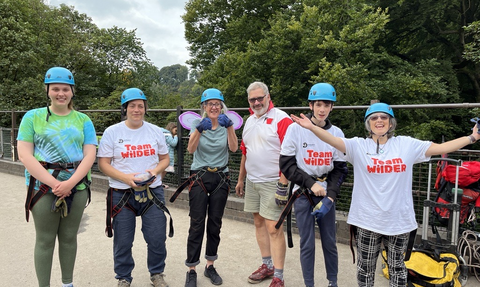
(212, 149)
(60, 140)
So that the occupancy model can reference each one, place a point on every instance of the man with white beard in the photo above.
(266, 188)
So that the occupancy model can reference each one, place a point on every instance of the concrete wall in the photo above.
(234, 209)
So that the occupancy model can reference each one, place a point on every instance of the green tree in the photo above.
(441, 32)
(173, 75)
(19, 49)
(35, 37)
(215, 26)
(340, 42)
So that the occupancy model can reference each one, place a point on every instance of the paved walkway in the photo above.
(238, 252)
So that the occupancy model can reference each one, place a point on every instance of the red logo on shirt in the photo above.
(269, 121)
(138, 151)
(395, 165)
(318, 158)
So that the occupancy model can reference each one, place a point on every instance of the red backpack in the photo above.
(467, 202)
(468, 173)
(468, 176)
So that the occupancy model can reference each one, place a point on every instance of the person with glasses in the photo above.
(266, 188)
(381, 209)
(317, 170)
(209, 142)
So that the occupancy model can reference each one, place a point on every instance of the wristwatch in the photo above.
(279, 184)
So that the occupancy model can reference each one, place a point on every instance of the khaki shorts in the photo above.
(260, 198)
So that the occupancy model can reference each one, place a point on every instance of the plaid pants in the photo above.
(369, 246)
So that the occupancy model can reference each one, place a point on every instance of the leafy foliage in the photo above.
(35, 37)
(398, 52)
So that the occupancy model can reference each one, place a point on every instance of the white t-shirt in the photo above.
(382, 198)
(261, 142)
(132, 150)
(313, 156)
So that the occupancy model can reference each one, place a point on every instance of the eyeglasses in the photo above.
(259, 99)
(382, 117)
(211, 105)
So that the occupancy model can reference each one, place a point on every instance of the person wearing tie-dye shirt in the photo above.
(57, 145)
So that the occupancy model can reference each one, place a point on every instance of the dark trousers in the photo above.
(306, 229)
(206, 205)
(154, 228)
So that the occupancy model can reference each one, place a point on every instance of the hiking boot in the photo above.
(191, 280)
(332, 284)
(158, 280)
(211, 273)
(260, 274)
(123, 283)
(277, 282)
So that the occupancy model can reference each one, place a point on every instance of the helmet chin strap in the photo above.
(314, 117)
(48, 109)
(378, 143)
(378, 139)
(49, 113)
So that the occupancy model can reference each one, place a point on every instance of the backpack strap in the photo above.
(411, 241)
(416, 280)
(353, 238)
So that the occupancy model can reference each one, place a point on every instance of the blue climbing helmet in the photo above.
(322, 92)
(211, 94)
(132, 94)
(59, 75)
(379, 108)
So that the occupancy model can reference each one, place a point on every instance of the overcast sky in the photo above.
(158, 23)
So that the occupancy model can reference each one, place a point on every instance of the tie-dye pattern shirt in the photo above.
(60, 140)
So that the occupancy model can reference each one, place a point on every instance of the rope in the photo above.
(469, 248)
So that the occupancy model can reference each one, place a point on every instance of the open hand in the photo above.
(303, 121)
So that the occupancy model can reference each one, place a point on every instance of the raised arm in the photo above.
(453, 145)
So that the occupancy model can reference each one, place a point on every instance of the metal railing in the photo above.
(183, 159)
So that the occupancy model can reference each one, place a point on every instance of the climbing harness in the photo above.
(287, 210)
(113, 210)
(32, 197)
(197, 177)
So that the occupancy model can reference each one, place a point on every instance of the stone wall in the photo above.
(234, 209)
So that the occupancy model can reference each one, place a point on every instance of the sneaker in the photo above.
(191, 280)
(260, 274)
(277, 282)
(158, 280)
(332, 284)
(211, 273)
(123, 283)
